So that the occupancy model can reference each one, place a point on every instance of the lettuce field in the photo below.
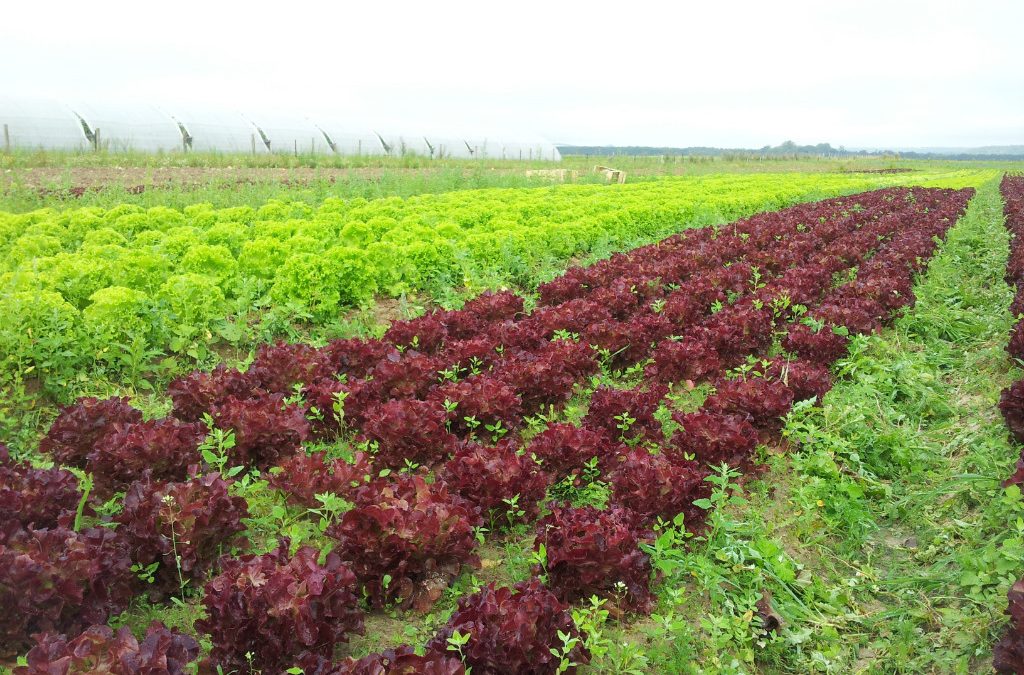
(732, 422)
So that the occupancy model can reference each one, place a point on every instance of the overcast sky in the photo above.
(886, 73)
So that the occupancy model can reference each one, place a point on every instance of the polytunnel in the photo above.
(207, 130)
(120, 128)
(536, 150)
(34, 125)
(449, 146)
(398, 144)
(347, 139)
(284, 134)
(84, 126)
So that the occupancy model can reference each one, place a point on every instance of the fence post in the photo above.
(96, 139)
(7, 139)
(295, 143)
(252, 138)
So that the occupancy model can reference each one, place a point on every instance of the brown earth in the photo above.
(91, 178)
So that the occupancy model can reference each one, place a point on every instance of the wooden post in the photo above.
(7, 139)
(295, 142)
(96, 140)
(359, 147)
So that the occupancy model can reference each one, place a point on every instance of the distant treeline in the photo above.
(785, 150)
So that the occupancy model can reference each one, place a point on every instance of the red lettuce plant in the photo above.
(631, 341)
(1017, 306)
(513, 630)
(762, 401)
(738, 331)
(859, 316)
(547, 376)
(278, 368)
(504, 486)
(574, 283)
(39, 498)
(1015, 347)
(705, 291)
(407, 430)
(480, 401)
(618, 299)
(78, 427)
(683, 309)
(474, 355)
(575, 316)
(100, 650)
(303, 477)
(266, 429)
(1008, 653)
(162, 449)
(805, 379)
(713, 438)
(356, 398)
(593, 552)
(275, 608)
(399, 661)
(354, 357)
(198, 393)
(406, 540)
(326, 402)
(891, 291)
(653, 486)
(626, 414)
(687, 360)
(491, 307)
(61, 581)
(424, 334)
(182, 526)
(1011, 404)
(408, 375)
(824, 346)
(564, 449)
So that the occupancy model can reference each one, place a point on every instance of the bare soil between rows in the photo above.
(92, 178)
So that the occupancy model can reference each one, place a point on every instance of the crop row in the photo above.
(94, 288)
(449, 392)
(1008, 653)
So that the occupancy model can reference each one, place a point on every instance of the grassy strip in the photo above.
(883, 536)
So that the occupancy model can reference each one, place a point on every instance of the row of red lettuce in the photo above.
(1008, 654)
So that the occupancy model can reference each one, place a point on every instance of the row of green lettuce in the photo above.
(110, 290)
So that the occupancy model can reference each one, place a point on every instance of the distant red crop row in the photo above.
(449, 390)
(1008, 653)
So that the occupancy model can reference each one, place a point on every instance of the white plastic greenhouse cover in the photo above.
(212, 130)
(46, 125)
(529, 150)
(400, 144)
(287, 135)
(347, 138)
(28, 124)
(448, 146)
(121, 127)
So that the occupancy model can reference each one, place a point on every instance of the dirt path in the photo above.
(130, 176)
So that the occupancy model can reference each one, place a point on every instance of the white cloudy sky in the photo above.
(737, 74)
